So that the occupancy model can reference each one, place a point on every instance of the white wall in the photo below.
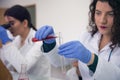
(69, 17)
(9, 3)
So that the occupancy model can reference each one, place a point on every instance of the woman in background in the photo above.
(22, 50)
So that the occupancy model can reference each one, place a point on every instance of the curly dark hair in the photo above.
(115, 4)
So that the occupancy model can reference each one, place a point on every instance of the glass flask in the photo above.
(23, 74)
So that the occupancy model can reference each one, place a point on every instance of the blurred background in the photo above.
(69, 17)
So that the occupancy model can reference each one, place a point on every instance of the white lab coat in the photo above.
(57, 69)
(13, 55)
(105, 70)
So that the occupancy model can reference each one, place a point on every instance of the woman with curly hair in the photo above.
(98, 49)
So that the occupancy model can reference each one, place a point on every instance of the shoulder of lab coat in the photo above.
(57, 63)
(83, 35)
(106, 71)
(55, 59)
(13, 55)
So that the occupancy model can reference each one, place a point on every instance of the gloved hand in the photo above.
(75, 49)
(3, 36)
(44, 32)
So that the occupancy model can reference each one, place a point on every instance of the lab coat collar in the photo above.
(31, 34)
(96, 40)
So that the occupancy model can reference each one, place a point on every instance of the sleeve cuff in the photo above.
(48, 47)
(93, 66)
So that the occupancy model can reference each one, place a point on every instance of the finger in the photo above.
(39, 33)
(66, 50)
(68, 44)
(49, 31)
(69, 56)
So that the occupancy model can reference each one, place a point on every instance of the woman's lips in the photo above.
(103, 27)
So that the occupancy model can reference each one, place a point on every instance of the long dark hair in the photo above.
(20, 13)
(115, 4)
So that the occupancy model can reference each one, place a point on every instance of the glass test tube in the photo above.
(23, 74)
(62, 58)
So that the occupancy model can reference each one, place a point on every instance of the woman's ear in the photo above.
(25, 23)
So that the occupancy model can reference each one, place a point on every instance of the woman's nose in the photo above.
(103, 19)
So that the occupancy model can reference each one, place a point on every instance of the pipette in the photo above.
(48, 37)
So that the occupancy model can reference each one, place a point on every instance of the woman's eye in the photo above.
(111, 14)
(97, 13)
(11, 23)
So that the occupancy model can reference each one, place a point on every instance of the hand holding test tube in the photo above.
(46, 34)
(60, 40)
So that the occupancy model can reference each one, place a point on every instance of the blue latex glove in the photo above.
(75, 49)
(45, 31)
(3, 35)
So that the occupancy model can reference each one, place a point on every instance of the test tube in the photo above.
(60, 41)
(62, 58)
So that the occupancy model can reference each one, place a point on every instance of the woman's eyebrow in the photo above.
(106, 11)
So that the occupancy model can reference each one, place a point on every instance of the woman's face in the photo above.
(104, 17)
(17, 27)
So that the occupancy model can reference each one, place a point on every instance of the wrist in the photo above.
(0, 44)
(8, 42)
(93, 65)
(48, 47)
(91, 60)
